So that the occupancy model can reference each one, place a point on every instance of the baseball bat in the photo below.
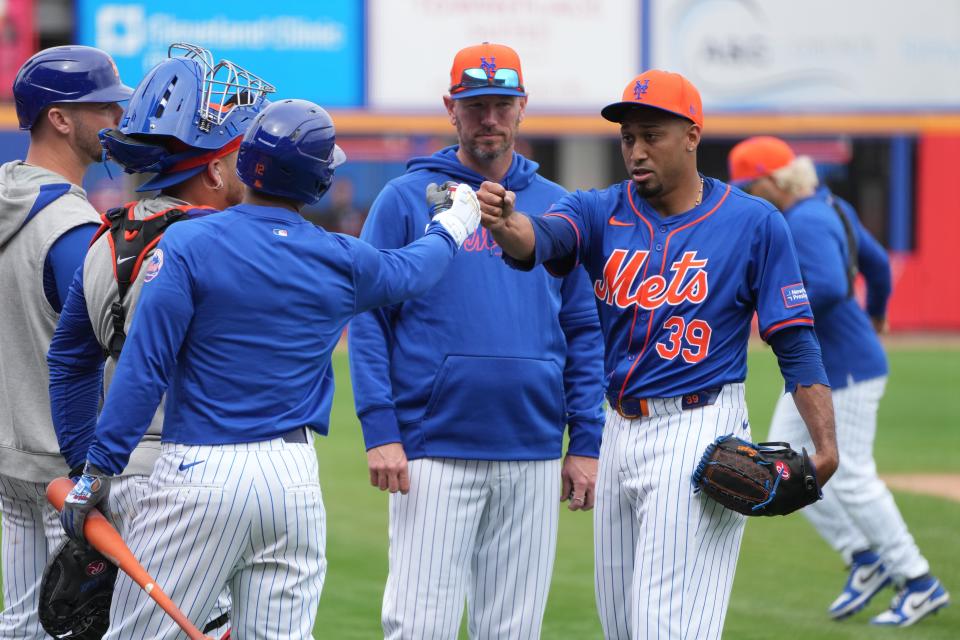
(104, 538)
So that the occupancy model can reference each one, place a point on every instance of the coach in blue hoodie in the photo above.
(475, 485)
(857, 516)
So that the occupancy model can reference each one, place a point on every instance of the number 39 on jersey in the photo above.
(688, 282)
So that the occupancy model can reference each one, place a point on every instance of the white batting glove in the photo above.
(463, 218)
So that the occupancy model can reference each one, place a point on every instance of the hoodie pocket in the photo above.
(495, 408)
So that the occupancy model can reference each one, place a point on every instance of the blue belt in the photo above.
(632, 408)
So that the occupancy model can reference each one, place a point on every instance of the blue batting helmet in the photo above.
(184, 111)
(290, 151)
(66, 74)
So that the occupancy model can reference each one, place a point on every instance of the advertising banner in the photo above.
(575, 55)
(18, 41)
(310, 50)
(815, 55)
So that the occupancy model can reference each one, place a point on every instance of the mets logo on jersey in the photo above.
(156, 263)
(620, 286)
(794, 295)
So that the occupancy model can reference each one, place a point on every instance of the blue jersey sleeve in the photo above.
(821, 250)
(774, 276)
(798, 354)
(75, 360)
(874, 264)
(62, 261)
(583, 371)
(371, 333)
(164, 311)
(561, 235)
(384, 277)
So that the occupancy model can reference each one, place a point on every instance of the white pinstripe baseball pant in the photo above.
(246, 516)
(31, 533)
(665, 557)
(484, 531)
(127, 497)
(857, 511)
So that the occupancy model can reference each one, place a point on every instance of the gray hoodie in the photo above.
(36, 207)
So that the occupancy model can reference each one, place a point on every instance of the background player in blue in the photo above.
(237, 319)
(680, 262)
(64, 95)
(473, 514)
(196, 175)
(857, 516)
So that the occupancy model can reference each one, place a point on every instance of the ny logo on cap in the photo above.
(640, 88)
(489, 67)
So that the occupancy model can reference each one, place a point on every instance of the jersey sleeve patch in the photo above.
(156, 263)
(794, 295)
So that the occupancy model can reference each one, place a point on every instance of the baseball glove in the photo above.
(75, 593)
(766, 479)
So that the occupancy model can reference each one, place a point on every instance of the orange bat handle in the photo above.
(104, 538)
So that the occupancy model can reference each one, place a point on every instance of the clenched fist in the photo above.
(496, 204)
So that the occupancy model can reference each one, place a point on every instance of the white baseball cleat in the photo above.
(868, 575)
(915, 600)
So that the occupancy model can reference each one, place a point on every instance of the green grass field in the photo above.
(787, 575)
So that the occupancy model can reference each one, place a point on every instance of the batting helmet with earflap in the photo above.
(290, 151)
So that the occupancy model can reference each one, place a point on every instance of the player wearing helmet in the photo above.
(238, 317)
(64, 95)
(169, 129)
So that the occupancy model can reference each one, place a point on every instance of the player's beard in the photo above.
(485, 153)
(647, 190)
(86, 142)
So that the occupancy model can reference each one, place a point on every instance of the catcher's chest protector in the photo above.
(131, 240)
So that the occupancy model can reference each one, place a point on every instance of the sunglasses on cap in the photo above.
(475, 77)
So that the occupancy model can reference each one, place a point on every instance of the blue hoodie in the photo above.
(491, 363)
(851, 350)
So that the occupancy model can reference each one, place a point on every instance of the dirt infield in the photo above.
(941, 485)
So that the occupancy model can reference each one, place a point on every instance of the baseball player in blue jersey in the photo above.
(679, 262)
(64, 95)
(193, 152)
(235, 491)
(476, 485)
(857, 516)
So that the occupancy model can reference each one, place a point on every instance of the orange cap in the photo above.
(662, 90)
(498, 62)
(758, 157)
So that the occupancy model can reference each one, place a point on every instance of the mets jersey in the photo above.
(676, 295)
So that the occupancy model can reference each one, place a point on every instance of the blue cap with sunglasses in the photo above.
(486, 69)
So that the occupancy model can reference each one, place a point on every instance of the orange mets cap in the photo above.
(657, 89)
(758, 157)
(486, 69)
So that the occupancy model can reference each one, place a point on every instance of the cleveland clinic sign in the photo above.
(326, 39)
